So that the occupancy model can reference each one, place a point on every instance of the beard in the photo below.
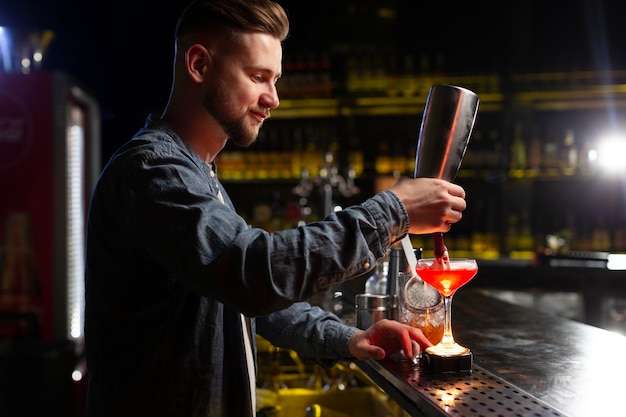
(219, 104)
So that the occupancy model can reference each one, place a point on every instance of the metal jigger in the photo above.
(444, 135)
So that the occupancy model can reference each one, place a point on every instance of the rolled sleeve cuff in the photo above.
(390, 215)
(340, 343)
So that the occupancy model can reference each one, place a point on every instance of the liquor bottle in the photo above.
(512, 233)
(324, 77)
(19, 274)
(383, 162)
(408, 81)
(377, 282)
(518, 162)
(534, 151)
(493, 154)
(569, 154)
(550, 154)
(525, 239)
(474, 156)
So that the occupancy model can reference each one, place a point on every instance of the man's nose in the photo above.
(270, 98)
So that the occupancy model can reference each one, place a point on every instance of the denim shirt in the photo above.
(170, 268)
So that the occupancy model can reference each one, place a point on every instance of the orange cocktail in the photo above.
(447, 281)
(447, 277)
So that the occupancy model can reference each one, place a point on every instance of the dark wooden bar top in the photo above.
(526, 363)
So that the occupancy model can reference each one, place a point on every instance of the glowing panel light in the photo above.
(75, 226)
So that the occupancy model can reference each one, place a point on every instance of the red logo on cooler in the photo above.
(15, 132)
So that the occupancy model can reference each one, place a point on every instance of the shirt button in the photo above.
(366, 265)
(211, 173)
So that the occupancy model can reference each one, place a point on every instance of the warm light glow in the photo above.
(616, 262)
(611, 151)
(21, 50)
(592, 155)
(25, 63)
(596, 350)
(5, 49)
(77, 375)
(447, 398)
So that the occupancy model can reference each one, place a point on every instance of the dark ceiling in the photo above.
(122, 50)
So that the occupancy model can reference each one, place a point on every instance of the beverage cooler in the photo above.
(49, 162)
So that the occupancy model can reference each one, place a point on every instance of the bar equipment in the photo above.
(371, 308)
(445, 131)
(420, 305)
(397, 264)
(50, 159)
(330, 183)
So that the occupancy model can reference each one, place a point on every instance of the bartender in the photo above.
(178, 284)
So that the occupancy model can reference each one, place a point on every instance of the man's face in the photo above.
(241, 87)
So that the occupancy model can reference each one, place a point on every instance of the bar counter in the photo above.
(525, 363)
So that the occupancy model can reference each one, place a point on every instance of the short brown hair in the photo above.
(233, 16)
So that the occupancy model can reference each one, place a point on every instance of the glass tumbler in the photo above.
(420, 305)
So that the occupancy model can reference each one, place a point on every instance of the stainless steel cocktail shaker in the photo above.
(445, 131)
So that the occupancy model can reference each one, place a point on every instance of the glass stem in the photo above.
(447, 339)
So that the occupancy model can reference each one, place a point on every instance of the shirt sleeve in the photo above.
(175, 218)
(312, 332)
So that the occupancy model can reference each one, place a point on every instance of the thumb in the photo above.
(374, 352)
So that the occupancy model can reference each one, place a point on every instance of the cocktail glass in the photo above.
(447, 278)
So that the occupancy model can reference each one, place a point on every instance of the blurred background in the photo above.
(544, 171)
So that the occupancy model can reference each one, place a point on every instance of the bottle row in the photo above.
(387, 74)
(293, 165)
(547, 148)
(518, 240)
(314, 75)
(541, 156)
(282, 165)
(515, 220)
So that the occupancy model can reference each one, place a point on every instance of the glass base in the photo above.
(444, 349)
(447, 364)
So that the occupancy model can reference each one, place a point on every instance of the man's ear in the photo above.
(197, 62)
